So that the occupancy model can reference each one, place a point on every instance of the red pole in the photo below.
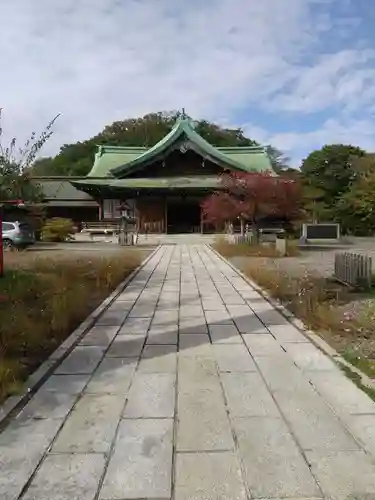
(1, 243)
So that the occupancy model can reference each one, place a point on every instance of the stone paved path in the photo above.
(191, 387)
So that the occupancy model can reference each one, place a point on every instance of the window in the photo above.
(6, 226)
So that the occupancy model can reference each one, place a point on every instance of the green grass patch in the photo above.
(366, 366)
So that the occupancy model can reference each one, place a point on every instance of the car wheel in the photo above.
(7, 244)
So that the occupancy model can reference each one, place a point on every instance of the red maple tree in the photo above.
(250, 197)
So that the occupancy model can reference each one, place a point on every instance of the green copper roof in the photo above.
(114, 161)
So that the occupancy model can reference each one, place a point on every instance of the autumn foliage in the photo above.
(250, 197)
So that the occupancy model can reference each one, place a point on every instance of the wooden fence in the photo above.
(237, 239)
(353, 269)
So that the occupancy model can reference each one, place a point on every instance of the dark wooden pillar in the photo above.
(165, 214)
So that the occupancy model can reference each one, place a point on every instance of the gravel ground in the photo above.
(317, 261)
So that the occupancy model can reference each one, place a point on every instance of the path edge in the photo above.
(313, 337)
(14, 404)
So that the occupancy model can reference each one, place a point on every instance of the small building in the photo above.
(164, 185)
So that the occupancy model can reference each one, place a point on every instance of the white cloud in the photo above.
(297, 144)
(98, 61)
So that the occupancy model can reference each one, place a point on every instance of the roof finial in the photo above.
(183, 115)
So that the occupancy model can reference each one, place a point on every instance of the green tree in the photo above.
(330, 170)
(280, 162)
(356, 208)
(15, 163)
(77, 159)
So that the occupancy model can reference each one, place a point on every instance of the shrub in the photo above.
(58, 230)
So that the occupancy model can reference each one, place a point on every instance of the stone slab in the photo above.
(152, 395)
(195, 372)
(341, 393)
(208, 476)
(218, 318)
(91, 426)
(141, 465)
(248, 396)
(140, 311)
(112, 318)
(193, 326)
(163, 335)
(233, 358)
(308, 357)
(48, 404)
(66, 384)
(362, 427)
(67, 477)
(225, 334)
(344, 474)
(195, 344)
(280, 373)
(135, 325)
(262, 345)
(272, 317)
(203, 423)
(213, 304)
(126, 346)
(113, 376)
(250, 324)
(82, 360)
(274, 466)
(22, 446)
(191, 311)
(312, 422)
(159, 359)
(100, 335)
(240, 311)
(287, 333)
(232, 299)
(165, 317)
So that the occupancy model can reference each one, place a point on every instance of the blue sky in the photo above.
(292, 73)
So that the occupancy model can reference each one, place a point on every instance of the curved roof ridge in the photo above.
(182, 126)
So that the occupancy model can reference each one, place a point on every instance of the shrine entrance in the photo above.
(183, 215)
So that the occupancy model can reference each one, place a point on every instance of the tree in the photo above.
(15, 163)
(219, 208)
(251, 197)
(279, 162)
(330, 170)
(356, 209)
(77, 159)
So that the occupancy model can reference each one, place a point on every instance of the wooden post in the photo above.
(100, 211)
(165, 215)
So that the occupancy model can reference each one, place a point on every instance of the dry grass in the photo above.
(228, 250)
(313, 299)
(323, 305)
(43, 299)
